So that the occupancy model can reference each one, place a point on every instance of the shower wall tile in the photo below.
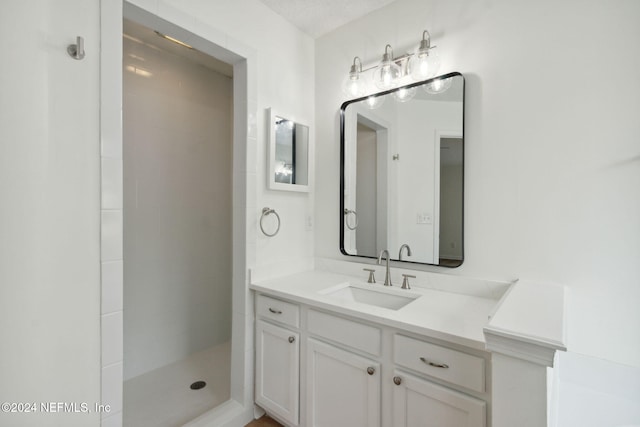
(251, 164)
(111, 244)
(112, 388)
(251, 76)
(112, 286)
(253, 214)
(238, 304)
(113, 420)
(177, 16)
(252, 119)
(251, 251)
(112, 338)
(249, 374)
(111, 88)
(240, 48)
(111, 183)
(240, 192)
(252, 190)
(178, 196)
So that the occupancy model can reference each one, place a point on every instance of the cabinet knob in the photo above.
(292, 339)
(397, 380)
(371, 370)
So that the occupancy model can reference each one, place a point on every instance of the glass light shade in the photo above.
(354, 85)
(374, 102)
(405, 94)
(424, 64)
(438, 86)
(386, 75)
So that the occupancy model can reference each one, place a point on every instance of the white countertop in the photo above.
(454, 317)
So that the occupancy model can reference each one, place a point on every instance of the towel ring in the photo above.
(266, 212)
(346, 218)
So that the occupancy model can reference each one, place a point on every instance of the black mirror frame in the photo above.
(342, 164)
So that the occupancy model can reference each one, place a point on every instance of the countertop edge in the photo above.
(393, 323)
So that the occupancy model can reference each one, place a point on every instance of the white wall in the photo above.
(177, 208)
(50, 215)
(552, 156)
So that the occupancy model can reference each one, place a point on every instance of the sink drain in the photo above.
(198, 385)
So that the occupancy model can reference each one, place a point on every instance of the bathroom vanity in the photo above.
(332, 349)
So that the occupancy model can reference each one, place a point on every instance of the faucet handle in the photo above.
(372, 277)
(405, 281)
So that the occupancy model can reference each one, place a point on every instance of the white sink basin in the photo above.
(371, 294)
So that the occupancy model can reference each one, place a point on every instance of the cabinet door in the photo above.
(343, 389)
(277, 370)
(418, 402)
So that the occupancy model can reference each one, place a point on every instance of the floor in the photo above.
(265, 421)
(163, 397)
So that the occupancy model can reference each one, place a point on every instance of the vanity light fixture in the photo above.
(424, 63)
(421, 64)
(387, 74)
(354, 84)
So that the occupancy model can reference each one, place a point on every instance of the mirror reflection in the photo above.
(289, 154)
(402, 156)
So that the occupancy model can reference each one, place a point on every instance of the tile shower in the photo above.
(177, 139)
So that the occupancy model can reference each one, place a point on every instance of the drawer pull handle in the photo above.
(371, 370)
(434, 364)
(397, 380)
(274, 311)
(292, 339)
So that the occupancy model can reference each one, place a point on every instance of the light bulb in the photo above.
(404, 94)
(354, 85)
(424, 63)
(374, 102)
(386, 75)
(438, 86)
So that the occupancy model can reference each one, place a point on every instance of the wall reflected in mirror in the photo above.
(288, 154)
(402, 173)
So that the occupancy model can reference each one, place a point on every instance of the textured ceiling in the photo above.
(318, 17)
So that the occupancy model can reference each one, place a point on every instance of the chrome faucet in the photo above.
(387, 277)
(401, 248)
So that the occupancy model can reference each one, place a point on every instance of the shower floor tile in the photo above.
(163, 397)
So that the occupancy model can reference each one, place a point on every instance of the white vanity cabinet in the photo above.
(476, 355)
(354, 372)
(343, 383)
(419, 402)
(343, 388)
(278, 358)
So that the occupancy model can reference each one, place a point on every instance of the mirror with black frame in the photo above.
(402, 173)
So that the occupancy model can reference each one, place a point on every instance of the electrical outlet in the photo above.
(424, 218)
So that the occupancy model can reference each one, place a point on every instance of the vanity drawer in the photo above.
(277, 310)
(439, 362)
(353, 334)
